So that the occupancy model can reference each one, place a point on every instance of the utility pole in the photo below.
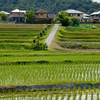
(56, 6)
(19, 13)
(8, 5)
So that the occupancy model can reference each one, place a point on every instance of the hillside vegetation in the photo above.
(52, 6)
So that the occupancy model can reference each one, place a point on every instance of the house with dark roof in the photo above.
(41, 14)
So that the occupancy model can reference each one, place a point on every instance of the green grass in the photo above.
(48, 74)
(50, 57)
(46, 68)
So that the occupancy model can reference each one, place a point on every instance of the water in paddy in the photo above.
(54, 98)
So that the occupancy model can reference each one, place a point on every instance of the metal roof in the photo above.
(17, 10)
(3, 12)
(95, 13)
(73, 11)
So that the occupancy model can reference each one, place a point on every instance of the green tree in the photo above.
(29, 16)
(75, 21)
(64, 18)
(3, 16)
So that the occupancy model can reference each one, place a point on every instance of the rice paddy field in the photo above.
(66, 73)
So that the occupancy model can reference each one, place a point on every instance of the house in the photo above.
(52, 16)
(41, 14)
(18, 16)
(75, 13)
(96, 17)
(86, 18)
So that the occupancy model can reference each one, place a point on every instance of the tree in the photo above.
(63, 17)
(29, 16)
(75, 21)
(3, 16)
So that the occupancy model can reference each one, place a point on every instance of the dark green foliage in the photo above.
(29, 16)
(63, 17)
(52, 6)
(75, 21)
(3, 17)
(39, 46)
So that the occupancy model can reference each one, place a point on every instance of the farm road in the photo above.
(52, 34)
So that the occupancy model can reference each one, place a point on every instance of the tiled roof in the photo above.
(41, 11)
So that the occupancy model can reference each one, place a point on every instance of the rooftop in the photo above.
(95, 13)
(73, 11)
(3, 12)
(17, 10)
(41, 11)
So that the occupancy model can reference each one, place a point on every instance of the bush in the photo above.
(75, 21)
(39, 46)
(3, 17)
(63, 17)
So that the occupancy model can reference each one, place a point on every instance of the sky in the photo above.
(97, 0)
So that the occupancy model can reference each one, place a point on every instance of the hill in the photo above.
(52, 6)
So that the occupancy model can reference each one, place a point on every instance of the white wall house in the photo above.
(96, 17)
(18, 16)
(75, 13)
(86, 18)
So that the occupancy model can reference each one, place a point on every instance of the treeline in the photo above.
(52, 6)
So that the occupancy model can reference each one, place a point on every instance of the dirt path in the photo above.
(52, 34)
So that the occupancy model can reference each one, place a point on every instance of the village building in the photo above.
(96, 17)
(75, 13)
(42, 16)
(18, 16)
(86, 18)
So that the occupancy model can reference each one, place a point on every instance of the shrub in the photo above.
(39, 46)
(75, 21)
(3, 16)
(63, 17)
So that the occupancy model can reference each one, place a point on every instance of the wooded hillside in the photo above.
(52, 6)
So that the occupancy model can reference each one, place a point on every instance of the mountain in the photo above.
(52, 6)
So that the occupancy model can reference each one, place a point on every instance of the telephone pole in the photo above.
(8, 5)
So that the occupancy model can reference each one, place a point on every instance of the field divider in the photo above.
(46, 87)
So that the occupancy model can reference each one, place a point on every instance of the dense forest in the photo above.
(52, 6)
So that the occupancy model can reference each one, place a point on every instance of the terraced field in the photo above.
(19, 37)
(78, 39)
(59, 74)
